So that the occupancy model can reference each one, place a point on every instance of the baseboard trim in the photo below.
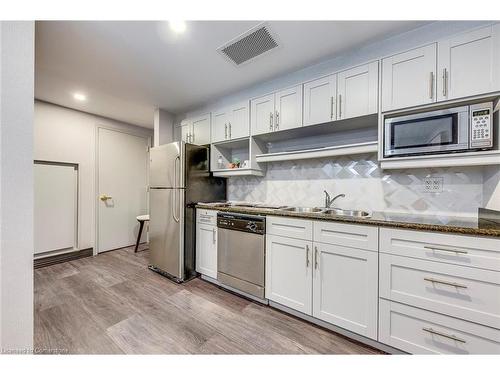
(61, 258)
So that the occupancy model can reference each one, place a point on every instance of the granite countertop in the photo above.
(448, 224)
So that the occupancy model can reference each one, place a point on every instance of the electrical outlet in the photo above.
(433, 184)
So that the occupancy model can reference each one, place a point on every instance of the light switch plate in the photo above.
(433, 184)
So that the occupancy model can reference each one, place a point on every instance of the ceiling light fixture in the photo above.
(177, 26)
(80, 97)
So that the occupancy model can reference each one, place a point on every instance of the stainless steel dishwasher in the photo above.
(241, 252)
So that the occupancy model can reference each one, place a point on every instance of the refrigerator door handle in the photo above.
(173, 200)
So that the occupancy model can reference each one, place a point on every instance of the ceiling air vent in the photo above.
(255, 42)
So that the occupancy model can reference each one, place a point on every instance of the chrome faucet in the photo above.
(329, 201)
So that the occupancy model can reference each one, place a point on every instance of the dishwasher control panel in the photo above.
(243, 223)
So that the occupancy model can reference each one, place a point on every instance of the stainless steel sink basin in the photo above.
(307, 210)
(349, 213)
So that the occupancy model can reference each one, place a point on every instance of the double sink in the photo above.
(327, 211)
(304, 210)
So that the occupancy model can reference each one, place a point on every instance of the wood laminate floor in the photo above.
(112, 303)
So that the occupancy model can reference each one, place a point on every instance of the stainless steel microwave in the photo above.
(459, 129)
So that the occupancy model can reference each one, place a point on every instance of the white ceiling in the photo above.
(127, 69)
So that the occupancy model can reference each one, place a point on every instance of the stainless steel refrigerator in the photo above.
(179, 178)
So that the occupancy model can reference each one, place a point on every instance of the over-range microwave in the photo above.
(459, 129)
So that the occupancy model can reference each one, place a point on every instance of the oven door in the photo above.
(425, 133)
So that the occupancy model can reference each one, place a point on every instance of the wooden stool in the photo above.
(141, 219)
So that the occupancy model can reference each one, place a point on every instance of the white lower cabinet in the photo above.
(206, 243)
(345, 289)
(420, 331)
(334, 283)
(289, 272)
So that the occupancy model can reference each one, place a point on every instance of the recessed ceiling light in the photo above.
(79, 96)
(177, 26)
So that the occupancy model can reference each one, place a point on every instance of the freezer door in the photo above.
(167, 165)
(166, 231)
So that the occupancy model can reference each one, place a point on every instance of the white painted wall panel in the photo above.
(56, 196)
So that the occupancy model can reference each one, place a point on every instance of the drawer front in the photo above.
(480, 252)
(463, 292)
(351, 235)
(423, 332)
(204, 216)
(292, 228)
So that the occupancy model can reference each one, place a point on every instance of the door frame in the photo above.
(132, 132)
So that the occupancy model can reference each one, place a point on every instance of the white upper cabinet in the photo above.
(231, 123)
(186, 131)
(262, 114)
(409, 78)
(358, 91)
(201, 130)
(468, 64)
(239, 121)
(220, 120)
(319, 100)
(288, 108)
(196, 130)
(278, 111)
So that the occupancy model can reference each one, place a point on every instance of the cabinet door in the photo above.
(262, 114)
(288, 114)
(469, 64)
(206, 250)
(220, 120)
(289, 272)
(345, 288)
(239, 122)
(358, 91)
(201, 130)
(409, 78)
(319, 100)
(186, 131)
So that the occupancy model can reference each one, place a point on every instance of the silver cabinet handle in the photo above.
(307, 256)
(452, 337)
(340, 106)
(450, 283)
(331, 107)
(450, 250)
(431, 85)
(277, 120)
(230, 136)
(315, 257)
(213, 235)
(271, 121)
(225, 131)
(192, 137)
(445, 82)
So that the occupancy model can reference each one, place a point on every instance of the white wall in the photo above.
(163, 127)
(66, 135)
(16, 185)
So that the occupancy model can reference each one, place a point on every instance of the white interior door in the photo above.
(55, 211)
(123, 178)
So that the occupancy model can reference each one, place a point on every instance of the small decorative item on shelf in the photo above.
(220, 162)
(235, 163)
(246, 164)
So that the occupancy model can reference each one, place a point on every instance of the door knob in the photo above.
(105, 197)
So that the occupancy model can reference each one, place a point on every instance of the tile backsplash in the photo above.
(366, 186)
